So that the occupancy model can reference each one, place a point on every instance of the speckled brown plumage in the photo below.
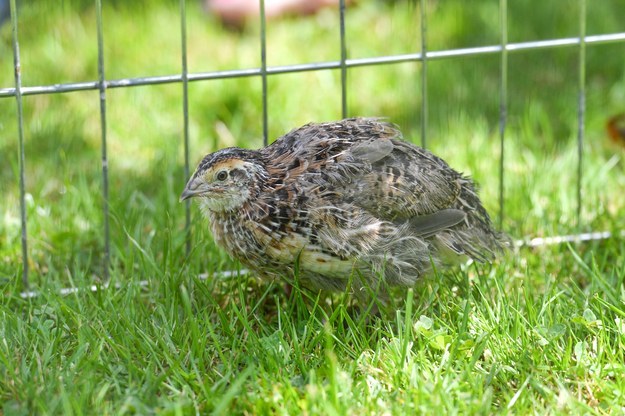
(341, 197)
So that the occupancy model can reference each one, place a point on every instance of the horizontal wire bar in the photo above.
(532, 243)
(573, 238)
(142, 283)
(17, 66)
(316, 66)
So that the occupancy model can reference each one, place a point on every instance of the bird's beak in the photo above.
(194, 187)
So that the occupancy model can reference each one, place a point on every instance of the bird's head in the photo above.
(226, 179)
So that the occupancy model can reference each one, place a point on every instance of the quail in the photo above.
(327, 202)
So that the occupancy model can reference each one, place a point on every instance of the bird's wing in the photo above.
(396, 181)
(361, 162)
(430, 224)
(410, 185)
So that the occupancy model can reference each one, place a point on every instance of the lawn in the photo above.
(540, 331)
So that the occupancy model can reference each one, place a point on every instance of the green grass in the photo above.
(541, 331)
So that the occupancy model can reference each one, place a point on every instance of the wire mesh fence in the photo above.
(264, 71)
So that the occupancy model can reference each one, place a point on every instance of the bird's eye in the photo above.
(222, 175)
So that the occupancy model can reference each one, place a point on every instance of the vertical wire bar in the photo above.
(343, 60)
(424, 75)
(185, 115)
(20, 138)
(105, 175)
(581, 109)
(503, 104)
(263, 69)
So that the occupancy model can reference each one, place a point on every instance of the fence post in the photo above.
(263, 69)
(185, 115)
(424, 74)
(20, 138)
(503, 103)
(105, 175)
(581, 108)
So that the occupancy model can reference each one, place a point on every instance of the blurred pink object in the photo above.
(237, 12)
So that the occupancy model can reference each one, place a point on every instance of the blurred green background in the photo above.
(58, 44)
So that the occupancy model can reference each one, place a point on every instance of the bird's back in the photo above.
(361, 167)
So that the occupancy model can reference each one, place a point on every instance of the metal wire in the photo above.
(20, 135)
(581, 108)
(424, 74)
(573, 238)
(503, 104)
(105, 175)
(263, 69)
(317, 66)
(343, 59)
(185, 118)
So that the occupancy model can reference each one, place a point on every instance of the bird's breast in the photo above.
(279, 238)
(297, 245)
